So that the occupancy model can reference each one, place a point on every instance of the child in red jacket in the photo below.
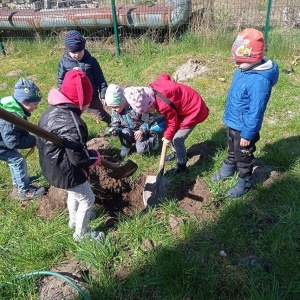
(182, 107)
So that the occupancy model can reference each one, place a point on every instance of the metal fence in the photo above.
(160, 20)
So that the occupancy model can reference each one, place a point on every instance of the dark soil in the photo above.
(118, 196)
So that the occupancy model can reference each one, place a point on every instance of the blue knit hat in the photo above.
(74, 41)
(26, 90)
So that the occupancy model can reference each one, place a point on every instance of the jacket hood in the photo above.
(10, 104)
(268, 69)
(55, 97)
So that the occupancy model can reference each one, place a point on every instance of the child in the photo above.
(77, 57)
(246, 103)
(130, 126)
(182, 107)
(67, 168)
(25, 100)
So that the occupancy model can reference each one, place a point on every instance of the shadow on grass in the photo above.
(283, 153)
(200, 160)
(251, 252)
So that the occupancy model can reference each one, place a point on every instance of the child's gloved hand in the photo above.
(138, 135)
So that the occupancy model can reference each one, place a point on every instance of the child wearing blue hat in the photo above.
(25, 100)
(77, 57)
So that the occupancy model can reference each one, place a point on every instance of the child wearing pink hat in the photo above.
(182, 107)
(130, 126)
(246, 103)
(67, 168)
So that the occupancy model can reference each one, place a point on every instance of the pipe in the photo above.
(81, 292)
(173, 13)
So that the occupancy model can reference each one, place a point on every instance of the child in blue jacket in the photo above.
(12, 138)
(246, 103)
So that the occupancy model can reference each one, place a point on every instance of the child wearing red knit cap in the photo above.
(67, 168)
(246, 103)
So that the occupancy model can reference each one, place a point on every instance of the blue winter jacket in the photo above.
(248, 96)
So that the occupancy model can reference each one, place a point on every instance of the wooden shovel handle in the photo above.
(9, 117)
(162, 158)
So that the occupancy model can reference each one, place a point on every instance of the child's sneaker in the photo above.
(93, 216)
(31, 179)
(180, 168)
(124, 151)
(33, 192)
(171, 156)
(89, 235)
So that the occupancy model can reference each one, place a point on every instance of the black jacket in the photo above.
(90, 66)
(65, 167)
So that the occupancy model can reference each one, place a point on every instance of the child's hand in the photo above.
(112, 131)
(244, 143)
(138, 135)
(166, 141)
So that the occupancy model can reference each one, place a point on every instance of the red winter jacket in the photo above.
(190, 107)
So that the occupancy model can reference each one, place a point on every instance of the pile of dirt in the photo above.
(118, 196)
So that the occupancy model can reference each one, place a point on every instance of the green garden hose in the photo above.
(81, 292)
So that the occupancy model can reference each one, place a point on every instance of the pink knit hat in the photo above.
(248, 46)
(139, 98)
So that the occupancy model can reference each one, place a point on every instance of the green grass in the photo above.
(264, 224)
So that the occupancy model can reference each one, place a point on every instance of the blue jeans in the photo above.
(18, 169)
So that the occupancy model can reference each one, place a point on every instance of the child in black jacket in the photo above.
(77, 57)
(67, 168)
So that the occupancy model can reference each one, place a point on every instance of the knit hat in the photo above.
(77, 87)
(139, 98)
(114, 95)
(74, 41)
(26, 90)
(248, 46)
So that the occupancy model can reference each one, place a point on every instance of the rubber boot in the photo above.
(242, 187)
(226, 171)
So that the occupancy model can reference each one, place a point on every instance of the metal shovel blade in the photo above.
(155, 190)
(120, 171)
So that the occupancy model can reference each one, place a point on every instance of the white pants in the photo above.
(80, 201)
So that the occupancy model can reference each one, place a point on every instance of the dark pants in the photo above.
(242, 157)
(96, 108)
(127, 139)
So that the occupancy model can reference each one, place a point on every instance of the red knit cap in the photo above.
(77, 87)
(248, 46)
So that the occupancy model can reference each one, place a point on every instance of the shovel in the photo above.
(117, 171)
(156, 187)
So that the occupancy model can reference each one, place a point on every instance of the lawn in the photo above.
(197, 244)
